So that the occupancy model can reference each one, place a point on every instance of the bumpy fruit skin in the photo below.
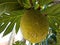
(34, 26)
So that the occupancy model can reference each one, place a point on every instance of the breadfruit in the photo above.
(34, 26)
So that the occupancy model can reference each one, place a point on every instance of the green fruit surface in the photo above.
(34, 26)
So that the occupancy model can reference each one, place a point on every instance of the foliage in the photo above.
(12, 10)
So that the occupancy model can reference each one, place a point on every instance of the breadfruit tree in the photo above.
(38, 20)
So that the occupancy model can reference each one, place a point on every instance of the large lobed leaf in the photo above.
(7, 15)
(12, 17)
(25, 3)
(44, 2)
(4, 1)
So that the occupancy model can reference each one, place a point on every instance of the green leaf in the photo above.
(3, 1)
(3, 26)
(44, 2)
(52, 23)
(35, 4)
(10, 27)
(52, 10)
(25, 3)
(8, 6)
(13, 17)
(18, 24)
(20, 2)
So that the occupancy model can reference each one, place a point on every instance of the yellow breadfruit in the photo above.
(34, 26)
